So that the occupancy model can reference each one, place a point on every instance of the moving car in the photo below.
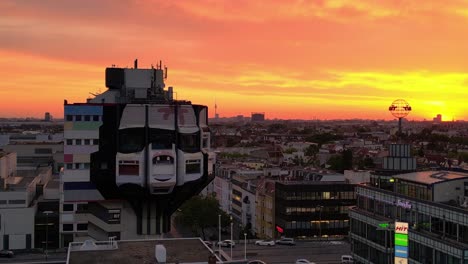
(286, 241)
(304, 261)
(6, 253)
(265, 242)
(348, 259)
(227, 243)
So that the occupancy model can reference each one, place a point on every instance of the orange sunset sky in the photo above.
(323, 59)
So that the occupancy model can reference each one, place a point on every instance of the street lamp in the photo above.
(47, 231)
(219, 234)
(320, 221)
(231, 236)
(245, 246)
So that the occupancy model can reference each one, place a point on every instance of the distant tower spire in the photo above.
(216, 110)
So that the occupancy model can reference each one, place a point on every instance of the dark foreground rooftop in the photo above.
(178, 250)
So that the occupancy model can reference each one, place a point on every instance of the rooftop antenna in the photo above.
(165, 72)
(160, 64)
(216, 109)
(135, 64)
(399, 109)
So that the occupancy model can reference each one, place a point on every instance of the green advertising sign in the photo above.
(384, 225)
(401, 240)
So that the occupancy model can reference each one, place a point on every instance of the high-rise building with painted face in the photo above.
(132, 156)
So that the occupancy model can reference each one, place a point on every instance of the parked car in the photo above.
(227, 243)
(6, 253)
(208, 243)
(348, 259)
(257, 261)
(265, 242)
(304, 261)
(286, 241)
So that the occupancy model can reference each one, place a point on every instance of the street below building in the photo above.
(319, 252)
(36, 258)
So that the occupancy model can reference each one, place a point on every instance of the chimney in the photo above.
(160, 253)
(135, 64)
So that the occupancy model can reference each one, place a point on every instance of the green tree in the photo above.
(200, 213)
(347, 159)
(336, 162)
(311, 151)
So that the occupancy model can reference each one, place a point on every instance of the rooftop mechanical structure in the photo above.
(399, 109)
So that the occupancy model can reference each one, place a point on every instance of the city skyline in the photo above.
(296, 60)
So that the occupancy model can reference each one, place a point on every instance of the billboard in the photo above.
(401, 243)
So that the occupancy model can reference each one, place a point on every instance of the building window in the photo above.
(16, 201)
(69, 118)
(95, 141)
(87, 118)
(3, 201)
(87, 141)
(192, 166)
(77, 166)
(77, 141)
(67, 227)
(67, 207)
(129, 167)
(86, 166)
(82, 227)
(69, 141)
(82, 207)
(161, 141)
(43, 151)
(69, 166)
(77, 118)
(131, 140)
(189, 142)
(95, 118)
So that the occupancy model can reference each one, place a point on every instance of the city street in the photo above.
(36, 258)
(320, 252)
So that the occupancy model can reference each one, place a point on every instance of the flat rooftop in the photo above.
(178, 250)
(432, 177)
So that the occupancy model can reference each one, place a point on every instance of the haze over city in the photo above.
(291, 59)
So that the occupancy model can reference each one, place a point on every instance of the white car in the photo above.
(304, 261)
(227, 243)
(286, 241)
(265, 242)
(256, 262)
(347, 259)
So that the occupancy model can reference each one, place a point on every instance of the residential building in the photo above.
(433, 203)
(243, 200)
(265, 209)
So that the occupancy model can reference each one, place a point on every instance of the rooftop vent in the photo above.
(160, 253)
(439, 175)
(88, 245)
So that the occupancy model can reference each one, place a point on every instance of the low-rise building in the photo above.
(20, 194)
